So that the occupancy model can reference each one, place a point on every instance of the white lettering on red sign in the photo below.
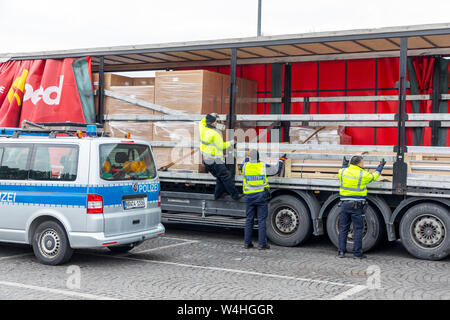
(50, 96)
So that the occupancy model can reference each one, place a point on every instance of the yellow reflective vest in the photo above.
(353, 181)
(212, 144)
(254, 177)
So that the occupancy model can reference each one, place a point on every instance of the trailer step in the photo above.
(212, 220)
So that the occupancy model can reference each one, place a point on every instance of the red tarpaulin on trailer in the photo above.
(368, 77)
(39, 91)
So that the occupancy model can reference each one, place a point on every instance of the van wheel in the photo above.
(424, 231)
(373, 233)
(122, 249)
(50, 244)
(288, 223)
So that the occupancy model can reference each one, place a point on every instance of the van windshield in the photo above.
(126, 162)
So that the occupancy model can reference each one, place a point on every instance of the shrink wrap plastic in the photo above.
(328, 135)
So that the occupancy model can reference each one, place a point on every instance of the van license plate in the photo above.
(134, 204)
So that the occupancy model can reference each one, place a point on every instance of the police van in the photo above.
(64, 189)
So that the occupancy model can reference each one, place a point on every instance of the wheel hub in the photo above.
(49, 243)
(286, 220)
(428, 231)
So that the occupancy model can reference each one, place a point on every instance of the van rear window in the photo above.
(126, 162)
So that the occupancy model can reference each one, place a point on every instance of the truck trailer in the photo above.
(410, 202)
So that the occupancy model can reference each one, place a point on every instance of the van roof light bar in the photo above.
(53, 128)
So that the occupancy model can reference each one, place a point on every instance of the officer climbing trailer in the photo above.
(411, 201)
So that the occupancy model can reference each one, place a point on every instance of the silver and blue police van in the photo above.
(60, 192)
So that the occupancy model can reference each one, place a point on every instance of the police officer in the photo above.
(257, 196)
(212, 147)
(353, 192)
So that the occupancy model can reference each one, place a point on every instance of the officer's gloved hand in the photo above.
(381, 165)
(345, 163)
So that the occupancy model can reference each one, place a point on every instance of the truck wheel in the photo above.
(424, 231)
(50, 244)
(288, 223)
(373, 233)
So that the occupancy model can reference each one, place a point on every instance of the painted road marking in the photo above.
(225, 270)
(349, 292)
(164, 247)
(16, 256)
(56, 291)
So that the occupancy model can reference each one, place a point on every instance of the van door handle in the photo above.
(136, 221)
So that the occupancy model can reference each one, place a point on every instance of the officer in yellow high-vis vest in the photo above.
(353, 192)
(212, 147)
(256, 193)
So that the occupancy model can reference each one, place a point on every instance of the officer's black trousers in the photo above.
(223, 179)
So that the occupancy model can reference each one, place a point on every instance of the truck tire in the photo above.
(289, 223)
(424, 231)
(50, 243)
(374, 229)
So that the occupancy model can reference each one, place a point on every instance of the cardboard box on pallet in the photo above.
(179, 131)
(143, 81)
(111, 79)
(141, 130)
(328, 135)
(185, 159)
(175, 131)
(246, 96)
(138, 130)
(193, 92)
(114, 82)
(246, 103)
(115, 106)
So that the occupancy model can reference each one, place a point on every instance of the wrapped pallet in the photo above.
(113, 106)
(111, 79)
(319, 135)
(181, 132)
(138, 130)
(246, 96)
(193, 91)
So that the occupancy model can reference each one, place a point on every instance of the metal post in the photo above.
(232, 89)
(287, 99)
(101, 89)
(259, 18)
(400, 167)
(436, 101)
(231, 112)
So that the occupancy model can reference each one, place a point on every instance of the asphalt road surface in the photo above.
(211, 263)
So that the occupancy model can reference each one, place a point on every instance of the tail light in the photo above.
(94, 203)
(159, 198)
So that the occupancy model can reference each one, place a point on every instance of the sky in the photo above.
(42, 25)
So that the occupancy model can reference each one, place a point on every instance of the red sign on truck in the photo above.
(39, 91)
